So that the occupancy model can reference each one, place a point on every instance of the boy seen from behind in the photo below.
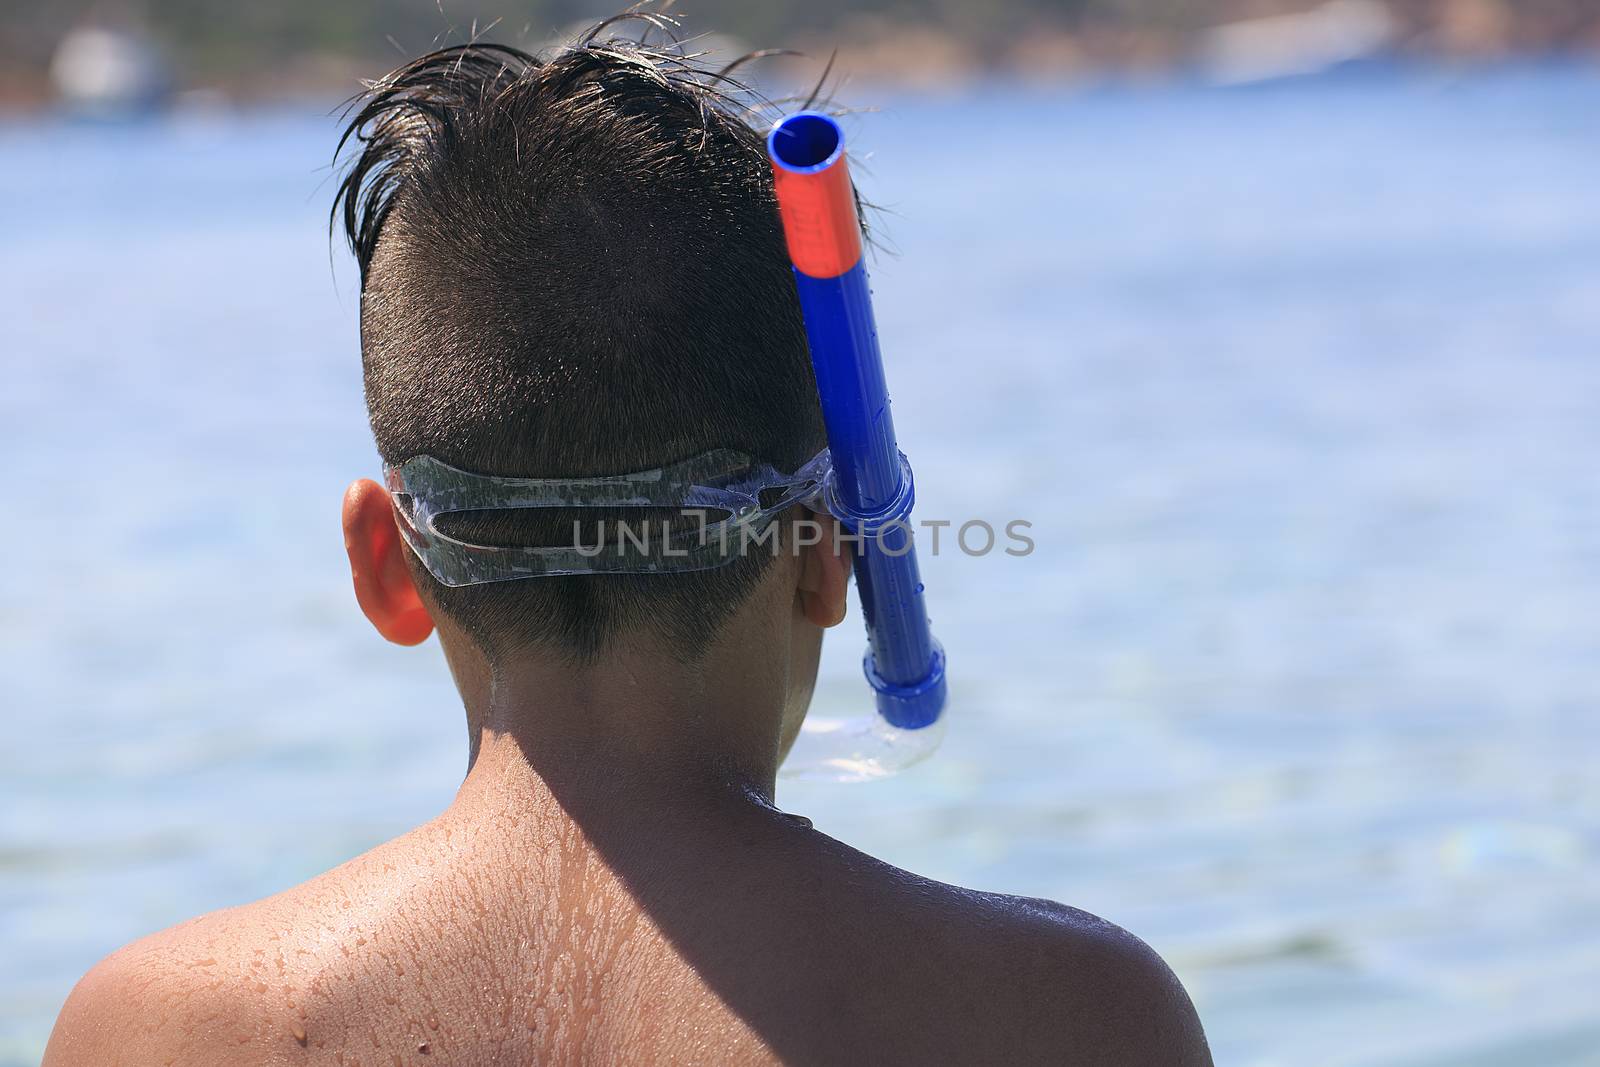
(573, 267)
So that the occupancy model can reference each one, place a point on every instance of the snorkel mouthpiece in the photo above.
(870, 488)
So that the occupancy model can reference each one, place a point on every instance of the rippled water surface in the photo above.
(1298, 386)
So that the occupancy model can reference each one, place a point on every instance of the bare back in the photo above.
(481, 938)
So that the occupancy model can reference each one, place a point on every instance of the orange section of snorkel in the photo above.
(819, 219)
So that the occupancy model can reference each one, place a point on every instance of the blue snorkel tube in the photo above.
(870, 488)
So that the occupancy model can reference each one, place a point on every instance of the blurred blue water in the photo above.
(1297, 385)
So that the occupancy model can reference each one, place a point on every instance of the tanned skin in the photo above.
(613, 885)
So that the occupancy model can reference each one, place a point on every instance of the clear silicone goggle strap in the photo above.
(722, 482)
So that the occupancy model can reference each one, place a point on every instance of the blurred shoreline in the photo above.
(134, 64)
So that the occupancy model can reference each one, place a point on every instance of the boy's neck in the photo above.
(640, 726)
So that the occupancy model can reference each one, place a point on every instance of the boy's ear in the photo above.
(824, 576)
(384, 589)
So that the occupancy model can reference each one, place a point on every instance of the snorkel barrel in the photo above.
(870, 488)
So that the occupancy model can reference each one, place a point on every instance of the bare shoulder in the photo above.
(1085, 991)
(233, 986)
(169, 998)
(995, 978)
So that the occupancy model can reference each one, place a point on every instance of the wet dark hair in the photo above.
(573, 266)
